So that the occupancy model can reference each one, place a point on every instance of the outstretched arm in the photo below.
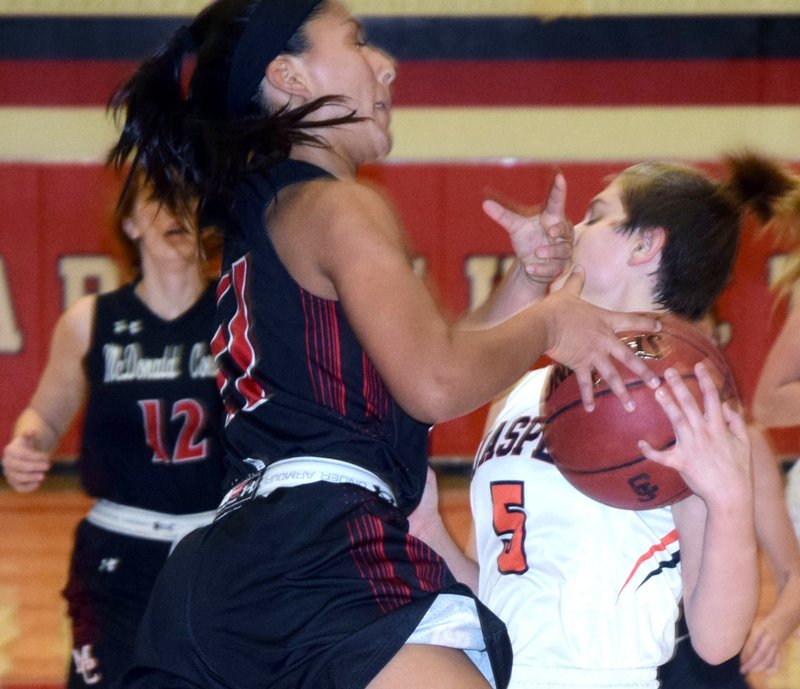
(542, 241)
(59, 394)
(435, 371)
(776, 402)
(719, 562)
(777, 540)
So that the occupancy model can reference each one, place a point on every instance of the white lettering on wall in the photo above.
(10, 334)
(82, 275)
(482, 273)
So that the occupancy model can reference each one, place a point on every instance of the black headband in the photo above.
(268, 30)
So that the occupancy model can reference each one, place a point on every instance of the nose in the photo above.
(385, 66)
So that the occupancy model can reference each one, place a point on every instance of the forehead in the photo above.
(332, 13)
(611, 196)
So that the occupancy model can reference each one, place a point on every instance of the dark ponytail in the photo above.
(772, 191)
(195, 144)
(155, 136)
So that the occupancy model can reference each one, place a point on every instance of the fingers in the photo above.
(634, 364)
(688, 410)
(613, 379)
(635, 321)
(504, 201)
(23, 467)
(556, 197)
(583, 376)
(649, 452)
(560, 249)
(21, 477)
(681, 409)
(762, 657)
(501, 215)
(711, 402)
(736, 423)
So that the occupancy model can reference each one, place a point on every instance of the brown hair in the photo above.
(778, 208)
(136, 187)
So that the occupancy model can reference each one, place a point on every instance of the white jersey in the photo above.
(589, 592)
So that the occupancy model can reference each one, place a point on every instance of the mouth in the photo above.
(175, 231)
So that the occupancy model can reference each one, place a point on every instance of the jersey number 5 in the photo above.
(190, 445)
(508, 502)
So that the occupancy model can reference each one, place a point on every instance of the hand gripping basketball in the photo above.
(598, 452)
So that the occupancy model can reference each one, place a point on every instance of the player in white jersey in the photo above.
(583, 588)
(590, 593)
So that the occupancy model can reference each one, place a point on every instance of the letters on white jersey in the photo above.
(579, 584)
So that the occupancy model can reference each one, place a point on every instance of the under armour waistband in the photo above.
(298, 471)
(134, 521)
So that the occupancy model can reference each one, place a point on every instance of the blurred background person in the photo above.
(137, 360)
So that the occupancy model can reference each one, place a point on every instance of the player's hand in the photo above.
(582, 337)
(542, 239)
(712, 447)
(761, 652)
(23, 465)
(425, 517)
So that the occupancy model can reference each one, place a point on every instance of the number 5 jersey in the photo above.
(589, 593)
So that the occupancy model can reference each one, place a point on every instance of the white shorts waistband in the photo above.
(299, 471)
(155, 526)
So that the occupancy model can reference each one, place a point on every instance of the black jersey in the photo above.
(151, 433)
(294, 379)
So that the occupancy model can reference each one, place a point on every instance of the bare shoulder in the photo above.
(325, 228)
(74, 326)
(346, 204)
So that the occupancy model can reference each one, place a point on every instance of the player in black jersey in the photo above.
(138, 359)
(334, 360)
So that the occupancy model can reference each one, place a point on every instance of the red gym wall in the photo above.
(503, 106)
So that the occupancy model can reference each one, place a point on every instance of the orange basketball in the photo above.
(597, 451)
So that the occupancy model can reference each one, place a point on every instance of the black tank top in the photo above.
(294, 379)
(151, 436)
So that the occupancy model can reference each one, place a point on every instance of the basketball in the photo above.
(597, 451)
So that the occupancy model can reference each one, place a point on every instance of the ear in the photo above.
(129, 228)
(647, 245)
(286, 74)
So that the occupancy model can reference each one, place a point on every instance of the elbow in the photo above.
(433, 398)
(430, 404)
(718, 647)
(717, 656)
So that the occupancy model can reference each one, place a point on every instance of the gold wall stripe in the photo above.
(594, 133)
(68, 135)
(423, 7)
(461, 134)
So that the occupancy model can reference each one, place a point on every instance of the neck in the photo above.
(327, 159)
(170, 293)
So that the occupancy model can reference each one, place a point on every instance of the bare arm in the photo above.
(58, 396)
(776, 402)
(719, 562)
(425, 523)
(542, 241)
(430, 366)
(778, 541)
